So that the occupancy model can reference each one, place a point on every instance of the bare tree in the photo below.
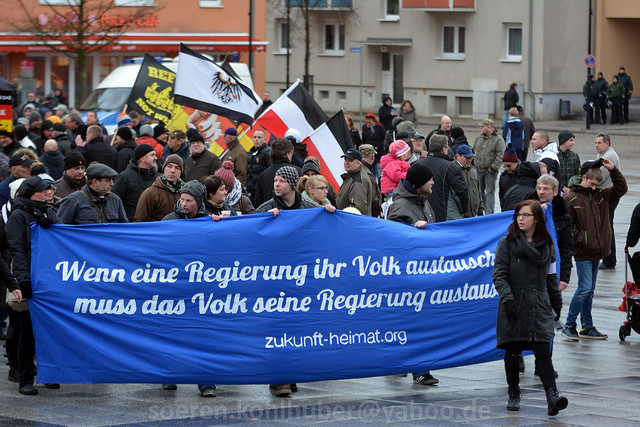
(306, 9)
(80, 28)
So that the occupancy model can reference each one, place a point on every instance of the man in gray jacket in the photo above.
(94, 203)
(488, 148)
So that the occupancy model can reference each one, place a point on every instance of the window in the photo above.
(283, 36)
(324, 95)
(393, 7)
(320, 3)
(453, 42)
(210, 3)
(514, 43)
(334, 38)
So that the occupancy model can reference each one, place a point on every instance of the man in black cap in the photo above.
(47, 131)
(20, 167)
(236, 153)
(201, 162)
(139, 175)
(125, 146)
(159, 200)
(9, 144)
(94, 203)
(568, 159)
(28, 206)
(73, 177)
(357, 189)
(410, 206)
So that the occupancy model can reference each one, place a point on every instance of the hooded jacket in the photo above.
(156, 202)
(589, 211)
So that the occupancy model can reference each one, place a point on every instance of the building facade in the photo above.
(219, 28)
(454, 57)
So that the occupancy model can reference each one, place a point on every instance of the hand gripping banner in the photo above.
(305, 296)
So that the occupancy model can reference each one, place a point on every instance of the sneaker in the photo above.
(592, 334)
(170, 386)
(52, 386)
(426, 379)
(208, 391)
(570, 333)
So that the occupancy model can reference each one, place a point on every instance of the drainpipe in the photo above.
(530, 59)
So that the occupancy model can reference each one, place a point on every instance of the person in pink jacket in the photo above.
(394, 166)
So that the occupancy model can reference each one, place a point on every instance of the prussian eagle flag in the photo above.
(202, 84)
(328, 143)
(294, 109)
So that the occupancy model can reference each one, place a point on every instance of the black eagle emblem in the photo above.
(225, 87)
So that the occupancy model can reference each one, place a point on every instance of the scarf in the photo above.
(537, 252)
(236, 193)
(216, 205)
(174, 188)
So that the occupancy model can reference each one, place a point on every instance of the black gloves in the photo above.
(511, 310)
(557, 311)
(45, 222)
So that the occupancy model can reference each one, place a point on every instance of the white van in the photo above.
(110, 96)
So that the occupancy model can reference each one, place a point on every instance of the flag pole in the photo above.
(113, 139)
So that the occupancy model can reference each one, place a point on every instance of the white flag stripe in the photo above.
(324, 140)
(291, 115)
(205, 82)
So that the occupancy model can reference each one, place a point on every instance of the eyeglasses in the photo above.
(322, 188)
(523, 215)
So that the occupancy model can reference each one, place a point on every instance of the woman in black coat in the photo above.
(530, 300)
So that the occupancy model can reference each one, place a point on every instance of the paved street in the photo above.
(601, 379)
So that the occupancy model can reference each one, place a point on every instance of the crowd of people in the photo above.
(73, 172)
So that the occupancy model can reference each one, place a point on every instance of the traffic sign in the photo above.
(590, 60)
(356, 50)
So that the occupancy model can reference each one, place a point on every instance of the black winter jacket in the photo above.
(257, 162)
(536, 294)
(447, 178)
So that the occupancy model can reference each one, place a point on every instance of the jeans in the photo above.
(488, 190)
(377, 171)
(505, 118)
(583, 298)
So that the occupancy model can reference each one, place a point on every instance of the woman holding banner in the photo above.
(524, 276)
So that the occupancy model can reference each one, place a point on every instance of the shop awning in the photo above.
(142, 42)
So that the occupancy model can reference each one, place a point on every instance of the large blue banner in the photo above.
(305, 296)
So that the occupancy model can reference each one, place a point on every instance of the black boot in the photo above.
(514, 399)
(555, 401)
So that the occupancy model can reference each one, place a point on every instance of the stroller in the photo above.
(631, 300)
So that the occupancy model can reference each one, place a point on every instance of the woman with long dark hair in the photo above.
(524, 276)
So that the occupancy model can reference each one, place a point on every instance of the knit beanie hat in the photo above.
(419, 174)
(73, 158)
(398, 148)
(290, 174)
(124, 133)
(141, 151)
(159, 130)
(226, 173)
(34, 116)
(175, 159)
(123, 119)
(457, 132)
(564, 136)
(196, 137)
(146, 130)
(510, 155)
(310, 166)
(196, 190)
